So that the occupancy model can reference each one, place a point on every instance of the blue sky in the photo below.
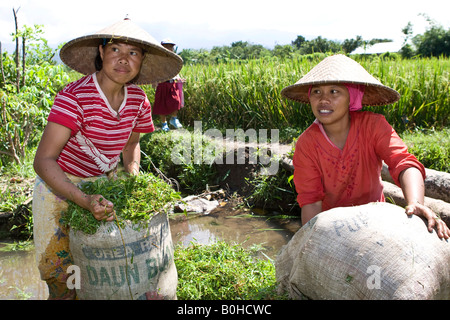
(203, 24)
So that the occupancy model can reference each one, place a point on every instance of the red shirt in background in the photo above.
(351, 176)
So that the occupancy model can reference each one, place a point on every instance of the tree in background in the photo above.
(407, 50)
(243, 50)
(27, 90)
(350, 45)
(298, 42)
(434, 42)
(319, 44)
(323, 45)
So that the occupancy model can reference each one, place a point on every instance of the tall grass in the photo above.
(424, 88)
(431, 147)
(246, 94)
(241, 94)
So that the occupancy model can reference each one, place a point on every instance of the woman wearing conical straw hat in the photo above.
(92, 122)
(338, 159)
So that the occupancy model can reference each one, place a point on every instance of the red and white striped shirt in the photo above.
(98, 133)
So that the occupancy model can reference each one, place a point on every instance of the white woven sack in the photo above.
(374, 251)
(148, 262)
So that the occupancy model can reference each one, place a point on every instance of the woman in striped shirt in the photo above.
(92, 122)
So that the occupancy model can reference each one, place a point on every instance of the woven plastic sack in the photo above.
(131, 263)
(373, 252)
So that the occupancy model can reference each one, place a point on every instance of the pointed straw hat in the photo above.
(341, 69)
(159, 64)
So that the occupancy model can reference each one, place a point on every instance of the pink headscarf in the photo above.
(356, 92)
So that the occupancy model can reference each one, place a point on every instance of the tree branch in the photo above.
(17, 51)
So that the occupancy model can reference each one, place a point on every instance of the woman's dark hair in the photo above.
(98, 59)
(98, 62)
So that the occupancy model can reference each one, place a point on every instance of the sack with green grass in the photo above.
(373, 252)
(131, 257)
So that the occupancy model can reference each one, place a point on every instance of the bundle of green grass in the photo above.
(136, 199)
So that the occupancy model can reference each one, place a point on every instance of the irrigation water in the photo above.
(19, 276)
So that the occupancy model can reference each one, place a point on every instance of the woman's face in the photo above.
(121, 61)
(330, 103)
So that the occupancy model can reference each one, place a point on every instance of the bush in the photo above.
(27, 89)
(431, 147)
(174, 154)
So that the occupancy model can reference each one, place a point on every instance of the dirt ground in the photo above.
(15, 187)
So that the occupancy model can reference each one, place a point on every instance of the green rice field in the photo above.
(246, 94)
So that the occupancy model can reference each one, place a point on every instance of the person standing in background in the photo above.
(169, 98)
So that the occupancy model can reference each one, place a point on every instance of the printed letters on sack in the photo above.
(115, 276)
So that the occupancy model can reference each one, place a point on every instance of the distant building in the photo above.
(379, 48)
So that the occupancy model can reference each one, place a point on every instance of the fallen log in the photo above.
(437, 183)
(395, 194)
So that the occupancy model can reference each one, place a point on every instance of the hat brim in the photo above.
(340, 69)
(374, 95)
(159, 64)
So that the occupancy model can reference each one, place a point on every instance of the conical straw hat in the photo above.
(159, 64)
(341, 69)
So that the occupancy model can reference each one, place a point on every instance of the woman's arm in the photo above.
(407, 172)
(309, 211)
(132, 154)
(53, 140)
(413, 188)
